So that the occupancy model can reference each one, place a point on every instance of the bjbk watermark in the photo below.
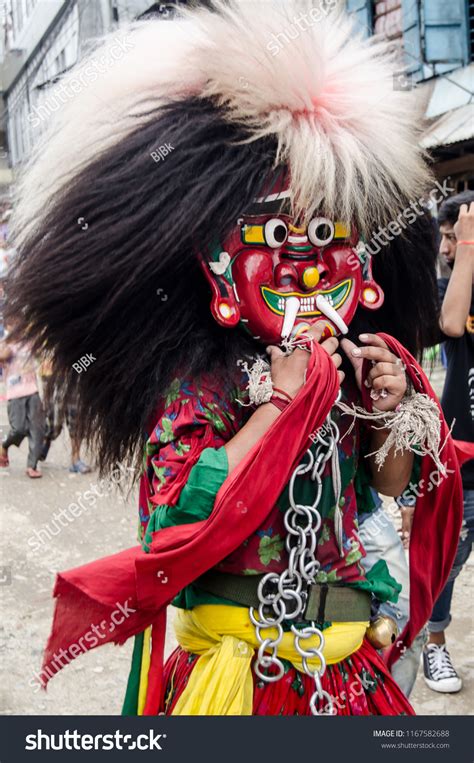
(83, 363)
(160, 153)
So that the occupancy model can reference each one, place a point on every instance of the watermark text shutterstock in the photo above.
(65, 91)
(408, 216)
(301, 23)
(90, 639)
(77, 740)
(85, 501)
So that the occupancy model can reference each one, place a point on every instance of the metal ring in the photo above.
(266, 644)
(274, 577)
(301, 511)
(308, 632)
(270, 620)
(265, 663)
(289, 580)
(308, 653)
(298, 608)
(330, 701)
(292, 560)
(315, 672)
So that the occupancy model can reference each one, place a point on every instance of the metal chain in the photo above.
(283, 596)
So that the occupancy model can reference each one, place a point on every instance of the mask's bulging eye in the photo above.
(321, 231)
(276, 233)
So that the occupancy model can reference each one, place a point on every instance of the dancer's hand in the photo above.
(289, 375)
(288, 371)
(387, 372)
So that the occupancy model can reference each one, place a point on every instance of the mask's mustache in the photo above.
(323, 305)
(292, 305)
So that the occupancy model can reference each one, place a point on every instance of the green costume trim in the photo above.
(380, 583)
(197, 497)
(130, 703)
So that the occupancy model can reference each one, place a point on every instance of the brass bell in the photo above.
(382, 632)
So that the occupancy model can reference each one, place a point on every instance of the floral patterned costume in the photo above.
(196, 422)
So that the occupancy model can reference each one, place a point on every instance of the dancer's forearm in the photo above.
(393, 477)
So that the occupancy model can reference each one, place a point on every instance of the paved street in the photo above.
(33, 551)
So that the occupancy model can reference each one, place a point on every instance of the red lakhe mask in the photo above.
(276, 276)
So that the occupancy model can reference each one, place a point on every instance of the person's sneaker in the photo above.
(79, 467)
(438, 669)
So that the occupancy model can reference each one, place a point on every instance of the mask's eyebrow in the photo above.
(269, 206)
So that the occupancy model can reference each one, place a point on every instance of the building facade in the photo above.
(42, 40)
(435, 40)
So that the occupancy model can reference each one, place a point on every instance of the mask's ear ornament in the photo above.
(224, 303)
(371, 294)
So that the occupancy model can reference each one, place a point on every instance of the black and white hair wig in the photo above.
(155, 159)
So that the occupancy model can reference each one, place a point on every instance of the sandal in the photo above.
(33, 474)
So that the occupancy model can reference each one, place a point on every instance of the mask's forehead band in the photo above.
(273, 204)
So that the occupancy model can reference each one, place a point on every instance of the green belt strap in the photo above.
(325, 603)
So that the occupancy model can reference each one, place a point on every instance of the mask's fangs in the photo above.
(292, 306)
(323, 305)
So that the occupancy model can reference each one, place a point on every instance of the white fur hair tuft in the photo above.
(284, 68)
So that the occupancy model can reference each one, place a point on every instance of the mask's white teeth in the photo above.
(292, 306)
(323, 305)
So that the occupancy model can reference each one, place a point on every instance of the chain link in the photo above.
(283, 596)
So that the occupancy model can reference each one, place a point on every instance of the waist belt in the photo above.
(324, 603)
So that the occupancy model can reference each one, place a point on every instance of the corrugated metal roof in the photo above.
(452, 127)
(451, 91)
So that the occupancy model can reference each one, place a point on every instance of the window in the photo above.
(438, 35)
(363, 13)
(435, 36)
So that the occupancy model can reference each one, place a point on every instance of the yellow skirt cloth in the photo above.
(221, 682)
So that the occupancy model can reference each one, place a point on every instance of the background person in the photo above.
(25, 413)
(456, 220)
(55, 415)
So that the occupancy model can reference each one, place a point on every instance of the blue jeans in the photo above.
(381, 541)
(441, 614)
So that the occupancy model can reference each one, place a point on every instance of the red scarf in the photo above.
(145, 583)
(437, 518)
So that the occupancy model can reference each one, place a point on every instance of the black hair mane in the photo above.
(128, 289)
